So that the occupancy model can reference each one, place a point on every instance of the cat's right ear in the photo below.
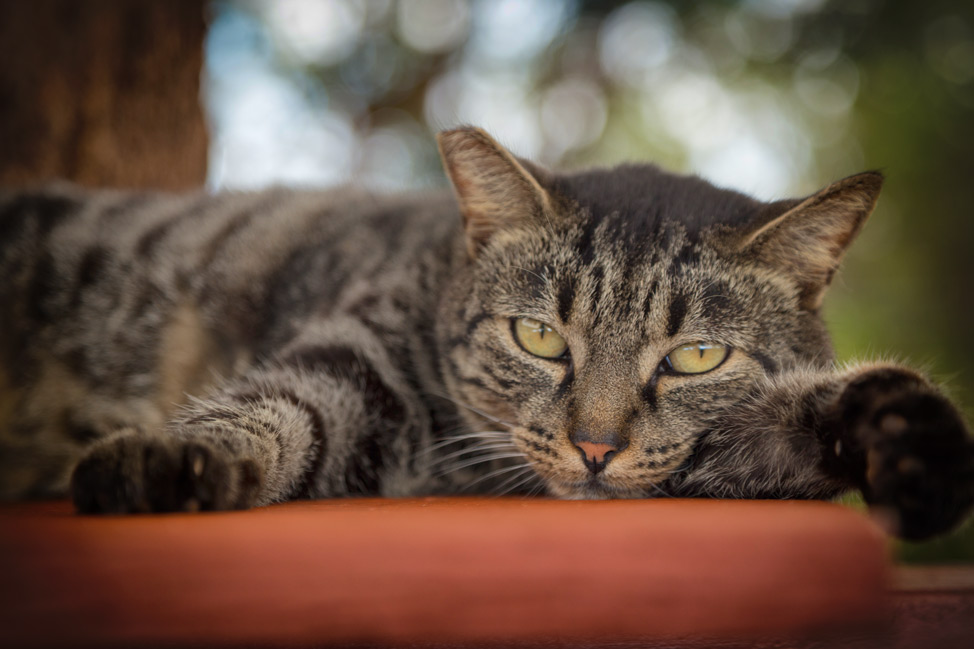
(495, 191)
(807, 238)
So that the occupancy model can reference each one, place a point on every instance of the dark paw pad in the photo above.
(918, 459)
(137, 473)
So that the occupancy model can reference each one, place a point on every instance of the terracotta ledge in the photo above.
(438, 571)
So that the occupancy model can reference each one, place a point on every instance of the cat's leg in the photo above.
(329, 416)
(882, 429)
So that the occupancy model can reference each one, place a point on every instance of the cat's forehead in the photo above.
(634, 257)
(605, 276)
(645, 197)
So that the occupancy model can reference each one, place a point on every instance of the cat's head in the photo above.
(606, 317)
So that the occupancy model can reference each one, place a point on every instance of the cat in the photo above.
(610, 333)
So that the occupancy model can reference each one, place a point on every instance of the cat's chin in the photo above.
(595, 489)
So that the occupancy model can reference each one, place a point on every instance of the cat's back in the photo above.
(196, 228)
(63, 231)
(85, 269)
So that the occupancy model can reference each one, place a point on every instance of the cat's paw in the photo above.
(916, 457)
(132, 472)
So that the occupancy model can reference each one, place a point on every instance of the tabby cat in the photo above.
(613, 333)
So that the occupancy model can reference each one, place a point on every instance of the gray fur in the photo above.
(212, 352)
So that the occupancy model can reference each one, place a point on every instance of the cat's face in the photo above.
(605, 319)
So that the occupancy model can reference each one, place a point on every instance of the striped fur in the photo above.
(189, 352)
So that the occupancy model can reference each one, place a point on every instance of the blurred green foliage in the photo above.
(907, 286)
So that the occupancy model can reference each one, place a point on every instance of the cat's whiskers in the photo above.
(509, 485)
(473, 409)
(487, 435)
(538, 489)
(491, 446)
(478, 460)
(660, 490)
(506, 487)
(497, 472)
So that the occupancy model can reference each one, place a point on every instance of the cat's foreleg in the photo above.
(882, 429)
(329, 416)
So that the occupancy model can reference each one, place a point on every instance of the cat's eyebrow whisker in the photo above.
(713, 296)
(527, 270)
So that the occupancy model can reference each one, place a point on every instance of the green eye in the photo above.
(696, 358)
(538, 338)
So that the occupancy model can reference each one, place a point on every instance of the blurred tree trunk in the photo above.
(102, 92)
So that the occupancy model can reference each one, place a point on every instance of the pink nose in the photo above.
(594, 452)
(596, 455)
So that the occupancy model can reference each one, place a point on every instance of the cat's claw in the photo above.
(132, 472)
(917, 458)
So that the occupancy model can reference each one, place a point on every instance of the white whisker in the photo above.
(527, 270)
(538, 489)
(488, 434)
(506, 487)
(657, 488)
(494, 446)
(478, 460)
(497, 472)
(525, 466)
(472, 409)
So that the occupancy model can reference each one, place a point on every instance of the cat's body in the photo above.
(342, 344)
(123, 305)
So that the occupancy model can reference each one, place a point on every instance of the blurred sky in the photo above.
(320, 92)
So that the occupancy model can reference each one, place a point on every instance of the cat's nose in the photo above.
(597, 453)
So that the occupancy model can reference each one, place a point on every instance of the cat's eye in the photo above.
(696, 358)
(538, 338)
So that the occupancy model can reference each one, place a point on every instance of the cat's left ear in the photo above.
(494, 189)
(807, 238)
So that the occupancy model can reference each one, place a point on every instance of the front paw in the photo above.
(132, 472)
(916, 459)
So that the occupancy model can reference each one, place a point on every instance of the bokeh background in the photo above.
(773, 97)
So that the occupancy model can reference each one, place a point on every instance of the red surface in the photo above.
(437, 570)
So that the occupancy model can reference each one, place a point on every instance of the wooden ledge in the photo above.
(437, 570)
(934, 579)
